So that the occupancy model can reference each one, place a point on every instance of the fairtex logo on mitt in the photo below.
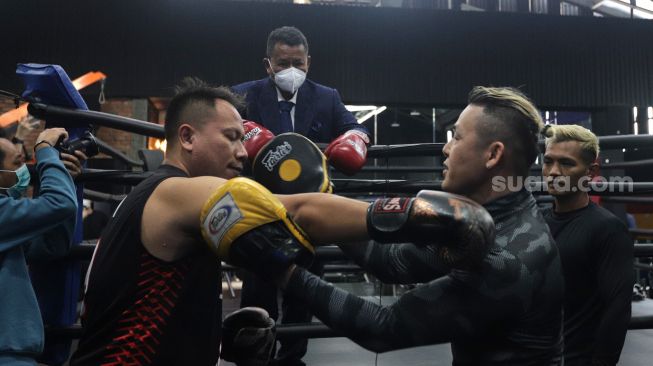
(272, 157)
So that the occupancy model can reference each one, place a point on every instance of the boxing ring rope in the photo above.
(124, 177)
(84, 251)
(534, 168)
(643, 200)
(102, 197)
(115, 153)
(643, 250)
(318, 330)
(647, 233)
(382, 186)
(71, 117)
(311, 330)
(411, 187)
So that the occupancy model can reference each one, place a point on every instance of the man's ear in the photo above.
(186, 136)
(267, 64)
(308, 62)
(494, 154)
(593, 170)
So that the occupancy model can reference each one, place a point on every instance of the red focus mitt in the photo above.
(348, 152)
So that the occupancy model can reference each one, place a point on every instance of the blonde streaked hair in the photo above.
(514, 120)
(589, 143)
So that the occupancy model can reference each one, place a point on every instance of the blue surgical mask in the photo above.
(22, 182)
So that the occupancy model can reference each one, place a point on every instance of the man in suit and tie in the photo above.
(286, 101)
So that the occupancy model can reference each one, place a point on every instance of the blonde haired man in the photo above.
(595, 249)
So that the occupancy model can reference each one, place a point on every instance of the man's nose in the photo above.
(445, 149)
(241, 152)
(554, 170)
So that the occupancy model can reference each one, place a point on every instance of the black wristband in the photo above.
(41, 142)
(16, 140)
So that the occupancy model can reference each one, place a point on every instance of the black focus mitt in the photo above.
(291, 163)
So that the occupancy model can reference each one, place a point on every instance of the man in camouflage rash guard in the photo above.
(508, 310)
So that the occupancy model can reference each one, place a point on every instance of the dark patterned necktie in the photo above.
(284, 113)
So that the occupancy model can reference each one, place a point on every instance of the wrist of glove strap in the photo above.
(388, 218)
(268, 251)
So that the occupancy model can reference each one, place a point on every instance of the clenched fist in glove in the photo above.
(461, 230)
(348, 152)
(248, 337)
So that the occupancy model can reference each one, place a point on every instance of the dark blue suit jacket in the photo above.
(319, 112)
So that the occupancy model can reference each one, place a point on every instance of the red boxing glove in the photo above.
(256, 136)
(348, 152)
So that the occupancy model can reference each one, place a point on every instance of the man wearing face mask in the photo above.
(283, 102)
(31, 230)
(286, 101)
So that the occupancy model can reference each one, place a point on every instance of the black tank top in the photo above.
(140, 310)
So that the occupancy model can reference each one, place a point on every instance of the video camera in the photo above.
(86, 144)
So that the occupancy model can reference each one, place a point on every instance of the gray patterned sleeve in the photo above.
(396, 263)
(436, 312)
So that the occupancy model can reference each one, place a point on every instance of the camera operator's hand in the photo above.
(74, 162)
(50, 137)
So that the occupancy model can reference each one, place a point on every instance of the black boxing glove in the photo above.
(461, 229)
(248, 337)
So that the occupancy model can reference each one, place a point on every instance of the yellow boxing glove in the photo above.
(245, 225)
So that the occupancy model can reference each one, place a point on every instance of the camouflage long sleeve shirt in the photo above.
(506, 312)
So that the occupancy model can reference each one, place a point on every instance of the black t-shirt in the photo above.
(140, 310)
(597, 260)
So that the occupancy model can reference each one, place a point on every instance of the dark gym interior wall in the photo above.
(372, 55)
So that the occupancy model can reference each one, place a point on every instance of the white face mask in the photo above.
(290, 79)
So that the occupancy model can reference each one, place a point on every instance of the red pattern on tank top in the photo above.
(141, 326)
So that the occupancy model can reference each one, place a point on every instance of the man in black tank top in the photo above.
(595, 248)
(153, 289)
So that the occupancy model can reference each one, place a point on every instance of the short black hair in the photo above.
(511, 118)
(194, 100)
(3, 154)
(290, 36)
